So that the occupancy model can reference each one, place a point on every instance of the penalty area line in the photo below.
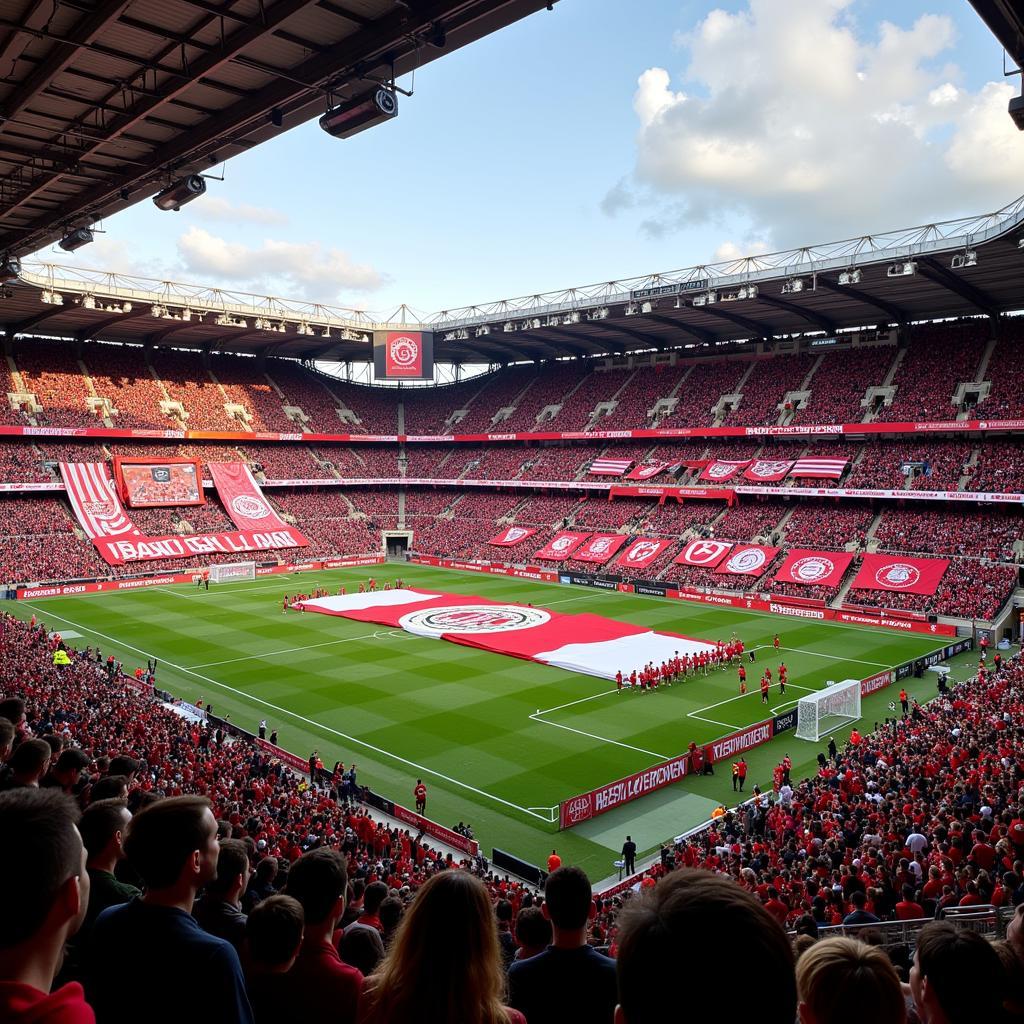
(297, 717)
(600, 739)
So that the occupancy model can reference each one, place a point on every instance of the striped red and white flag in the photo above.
(815, 468)
(95, 501)
(609, 467)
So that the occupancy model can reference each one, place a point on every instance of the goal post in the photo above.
(823, 712)
(232, 572)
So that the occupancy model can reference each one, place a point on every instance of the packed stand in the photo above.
(286, 462)
(428, 410)
(999, 469)
(701, 392)
(185, 381)
(840, 383)
(22, 463)
(245, 383)
(646, 387)
(121, 374)
(1006, 399)
(766, 387)
(498, 392)
(598, 386)
(552, 385)
(308, 392)
(494, 463)
(749, 520)
(51, 372)
(990, 534)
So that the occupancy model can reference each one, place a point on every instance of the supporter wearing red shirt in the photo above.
(908, 909)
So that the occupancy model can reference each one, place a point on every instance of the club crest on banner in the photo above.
(404, 351)
(248, 506)
(898, 575)
(561, 543)
(642, 550)
(721, 470)
(471, 618)
(812, 569)
(705, 552)
(599, 546)
(766, 469)
(749, 560)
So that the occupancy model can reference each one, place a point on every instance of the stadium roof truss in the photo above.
(105, 102)
(967, 267)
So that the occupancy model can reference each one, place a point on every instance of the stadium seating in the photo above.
(641, 394)
(766, 387)
(58, 384)
(840, 382)
(121, 374)
(700, 392)
(599, 386)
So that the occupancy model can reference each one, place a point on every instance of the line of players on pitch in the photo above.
(369, 587)
(651, 676)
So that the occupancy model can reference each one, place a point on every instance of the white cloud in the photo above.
(803, 126)
(289, 269)
(220, 209)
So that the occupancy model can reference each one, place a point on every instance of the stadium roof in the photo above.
(967, 267)
(1005, 19)
(104, 102)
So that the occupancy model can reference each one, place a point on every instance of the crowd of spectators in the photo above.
(841, 381)
(700, 392)
(598, 386)
(827, 526)
(991, 534)
(57, 383)
(286, 462)
(551, 387)
(749, 520)
(499, 392)
(766, 387)
(999, 469)
(1005, 400)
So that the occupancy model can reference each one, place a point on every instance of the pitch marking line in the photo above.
(380, 634)
(815, 654)
(600, 739)
(297, 717)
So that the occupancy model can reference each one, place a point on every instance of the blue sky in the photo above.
(531, 160)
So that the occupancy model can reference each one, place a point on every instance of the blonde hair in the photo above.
(444, 964)
(843, 981)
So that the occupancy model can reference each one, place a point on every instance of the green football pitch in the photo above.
(498, 741)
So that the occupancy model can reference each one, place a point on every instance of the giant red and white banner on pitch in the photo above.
(747, 560)
(900, 573)
(721, 470)
(642, 552)
(707, 553)
(561, 546)
(814, 568)
(768, 470)
(645, 472)
(512, 536)
(599, 548)
(590, 644)
(244, 501)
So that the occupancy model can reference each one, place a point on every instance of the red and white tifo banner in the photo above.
(590, 644)
(647, 471)
(707, 553)
(642, 552)
(599, 548)
(900, 573)
(747, 560)
(768, 470)
(721, 470)
(816, 468)
(95, 501)
(512, 536)
(609, 467)
(588, 805)
(563, 544)
(814, 568)
(244, 501)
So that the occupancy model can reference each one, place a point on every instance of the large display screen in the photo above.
(403, 355)
(155, 483)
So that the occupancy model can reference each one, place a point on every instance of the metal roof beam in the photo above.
(930, 268)
(94, 329)
(810, 315)
(32, 20)
(696, 332)
(647, 339)
(571, 341)
(892, 311)
(757, 330)
(25, 325)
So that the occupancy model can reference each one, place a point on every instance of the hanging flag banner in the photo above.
(95, 501)
(599, 548)
(900, 573)
(563, 544)
(706, 553)
(609, 467)
(768, 470)
(642, 552)
(814, 568)
(816, 468)
(647, 471)
(721, 470)
(243, 499)
(747, 560)
(513, 535)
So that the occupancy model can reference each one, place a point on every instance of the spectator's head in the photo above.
(124, 765)
(266, 871)
(1013, 972)
(274, 933)
(957, 977)
(533, 931)
(110, 787)
(318, 880)
(102, 826)
(842, 981)
(376, 893)
(13, 709)
(232, 871)
(46, 887)
(30, 762)
(68, 766)
(390, 914)
(6, 739)
(673, 938)
(858, 899)
(445, 957)
(172, 845)
(806, 925)
(567, 904)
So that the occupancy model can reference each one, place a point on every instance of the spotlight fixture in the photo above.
(356, 115)
(76, 239)
(905, 269)
(601, 313)
(968, 258)
(224, 320)
(10, 269)
(632, 309)
(850, 276)
(88, 302)
(482, 331)
(157, 311)
(571, 318)
(180, 192)
(51, 298)
(304, 328)
(793, 285)
(508, 327)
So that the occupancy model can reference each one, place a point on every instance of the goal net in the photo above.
(232, 572)
(827, 710)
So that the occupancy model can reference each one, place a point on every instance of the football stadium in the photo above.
(510, 660)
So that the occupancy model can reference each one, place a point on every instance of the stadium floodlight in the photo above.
(354, 116)
(224, 320)
(304, 329)
(180, 192)
(552, 321)
(10, 269)
(571, 318)
(326, 333)
(748, 291)
(76, 239)
(793, 285)
(51, 298)
(157, 311)
(260, 324)
(905, 269)
(968, 258)
(508, 327)
(632, 309)
(850, 276)
(1020, 244)
(482, 331)
(88, 302)
(600, 313)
